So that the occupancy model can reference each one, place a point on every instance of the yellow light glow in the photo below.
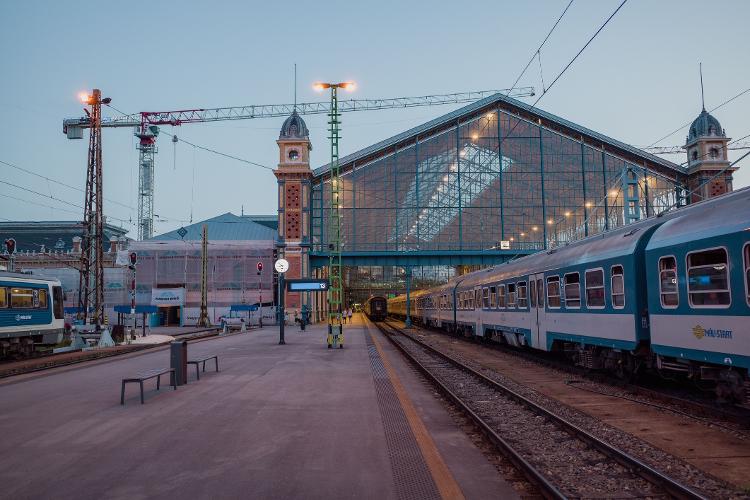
(589, 204)
(350, 86)
(84, 97)
(474, 137)
(318, 86)
(613, 192)
(534, 228)
(512, 238)
(567, 214)
(490, 116)
(549, 221)
(523, 234)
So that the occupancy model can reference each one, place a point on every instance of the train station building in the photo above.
(489, 182)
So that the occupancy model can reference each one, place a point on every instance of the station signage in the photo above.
(167, 296)
(306, 285)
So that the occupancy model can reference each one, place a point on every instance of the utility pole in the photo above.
(203, 320)
(335, 290)
(91, 280)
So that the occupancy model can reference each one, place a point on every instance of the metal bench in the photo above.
(145, 376)
(196, 362)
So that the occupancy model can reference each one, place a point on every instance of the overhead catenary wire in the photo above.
(534, 54)
(204, 148)
(691, 121)
(58, 200)
(48, 179)
(567, 66)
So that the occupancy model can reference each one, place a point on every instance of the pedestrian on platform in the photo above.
(349, 314)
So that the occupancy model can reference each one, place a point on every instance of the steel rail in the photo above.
(547, 489)
(647, 472)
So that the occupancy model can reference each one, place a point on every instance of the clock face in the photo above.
(293, 154)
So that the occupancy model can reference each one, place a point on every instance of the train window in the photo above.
(618, 287)
(668, 282)
(486, 298)
(511, 295)
(572, 290)
(708, 278)
(553, 292)
(540, 292)
(478, 297)
(522, 300)
(746, 253)
(493, 298)
(501, 297)
(42, 299)
(22, 298)
(3, 297)
(595, 289)
(532, 292)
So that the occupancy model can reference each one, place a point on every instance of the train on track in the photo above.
(31, 313)
(376, 308)
(670, 293)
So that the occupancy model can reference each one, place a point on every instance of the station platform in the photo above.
(278, 421)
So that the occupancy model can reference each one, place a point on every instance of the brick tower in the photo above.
(706, 147)
(293, 176)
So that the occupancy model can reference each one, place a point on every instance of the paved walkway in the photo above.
(293, 421)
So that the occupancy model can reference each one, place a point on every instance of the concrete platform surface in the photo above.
(293, 421)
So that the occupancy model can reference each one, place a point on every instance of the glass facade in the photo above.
(487, 177)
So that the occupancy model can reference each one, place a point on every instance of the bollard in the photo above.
(178, 360)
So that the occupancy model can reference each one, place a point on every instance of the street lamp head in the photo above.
(350, 86)
(84, 97)
(319, 86)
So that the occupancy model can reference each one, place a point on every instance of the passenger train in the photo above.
(669, 293)
(31, 313)
(376, 308)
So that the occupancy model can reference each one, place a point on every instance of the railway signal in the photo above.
(10, 246)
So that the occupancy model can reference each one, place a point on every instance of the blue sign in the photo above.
(306, 285)
(182, 232)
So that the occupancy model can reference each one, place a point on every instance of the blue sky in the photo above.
(636, 82)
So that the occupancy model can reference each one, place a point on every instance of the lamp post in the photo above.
(335, 290)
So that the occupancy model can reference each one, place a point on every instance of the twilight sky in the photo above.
(636, 82)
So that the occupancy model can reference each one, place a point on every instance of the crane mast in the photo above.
(146, 128)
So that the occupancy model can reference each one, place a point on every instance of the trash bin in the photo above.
(178, 360)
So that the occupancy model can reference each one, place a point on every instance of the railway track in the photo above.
(560, 458)
(673, 399)
(49, 361)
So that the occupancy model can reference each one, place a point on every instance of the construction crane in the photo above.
(670, 150)
(147, 124)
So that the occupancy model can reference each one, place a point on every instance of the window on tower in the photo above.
(293, 154)
(714, 153)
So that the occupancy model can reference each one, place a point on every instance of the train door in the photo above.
(536, 296)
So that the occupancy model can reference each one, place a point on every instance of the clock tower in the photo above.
(709, 173)
(294, 176)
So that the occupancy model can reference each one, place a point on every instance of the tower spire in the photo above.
(700, 69)
(295, 86)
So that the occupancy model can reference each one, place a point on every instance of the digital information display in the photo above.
(303, 285)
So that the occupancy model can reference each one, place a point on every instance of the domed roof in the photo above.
(294, 127)
(705, 126)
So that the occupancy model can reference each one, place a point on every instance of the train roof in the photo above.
(727, 214)
(683, 223)
(4, 275)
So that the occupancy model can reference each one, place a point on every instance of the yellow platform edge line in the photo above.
(441, 474)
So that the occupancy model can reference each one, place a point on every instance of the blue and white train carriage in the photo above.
(699, 292)
(31, 313)
(670, 293)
